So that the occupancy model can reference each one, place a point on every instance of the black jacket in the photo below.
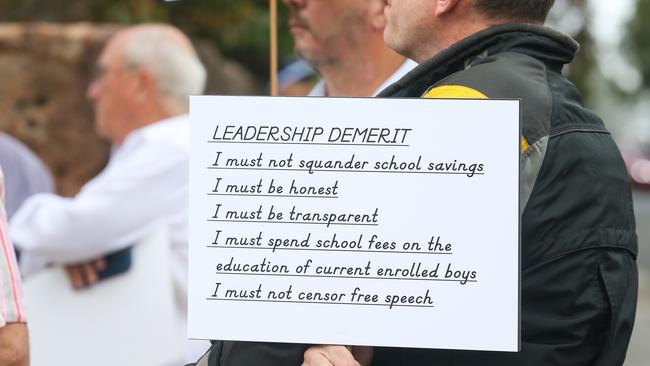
(578, 259)
(578, 241)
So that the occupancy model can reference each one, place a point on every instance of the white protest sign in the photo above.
(385, 222)
(126, 320)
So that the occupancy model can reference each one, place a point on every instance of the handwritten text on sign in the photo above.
(355, 221)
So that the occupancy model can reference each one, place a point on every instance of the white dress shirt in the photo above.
(320, 90)
(144, 186)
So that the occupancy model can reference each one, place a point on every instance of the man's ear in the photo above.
(376, 14)
(445, 6)
(145, 83)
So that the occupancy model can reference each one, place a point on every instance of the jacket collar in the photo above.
(549, 46)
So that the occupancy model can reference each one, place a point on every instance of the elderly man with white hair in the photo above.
(144, 77)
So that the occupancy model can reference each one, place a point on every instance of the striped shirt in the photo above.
(11, 305)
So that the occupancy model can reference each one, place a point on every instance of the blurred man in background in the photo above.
(143, 79)
(343, 41)
(13, 331)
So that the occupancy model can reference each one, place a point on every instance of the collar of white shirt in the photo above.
(173, 129)
(320, 90)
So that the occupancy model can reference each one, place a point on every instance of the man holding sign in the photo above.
(578, 241)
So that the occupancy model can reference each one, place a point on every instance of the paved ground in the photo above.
(639, 351)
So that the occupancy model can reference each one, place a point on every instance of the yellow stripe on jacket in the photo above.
(462, 92)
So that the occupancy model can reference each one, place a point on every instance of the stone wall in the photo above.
(45, 70)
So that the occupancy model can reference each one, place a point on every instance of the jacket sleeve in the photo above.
(229, 353)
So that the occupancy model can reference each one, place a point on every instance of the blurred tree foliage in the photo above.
(639, 40)
(239, 28)
(571, 17)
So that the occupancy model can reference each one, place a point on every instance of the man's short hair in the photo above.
(178, 72)
(528, 11)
